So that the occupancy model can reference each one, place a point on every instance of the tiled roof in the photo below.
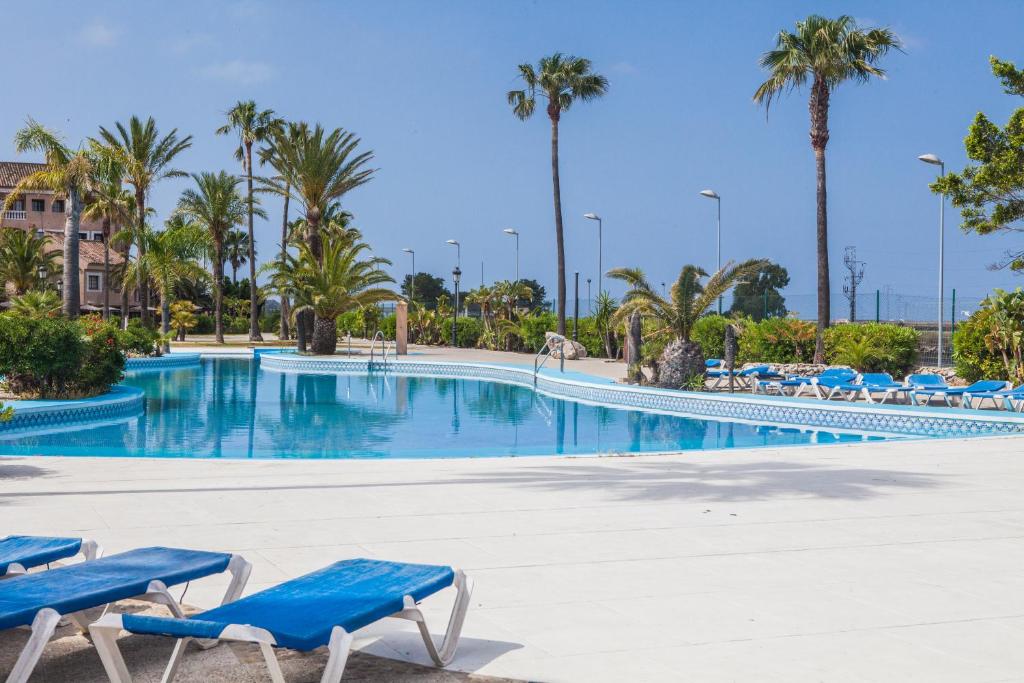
(89, 251)
(13, 171)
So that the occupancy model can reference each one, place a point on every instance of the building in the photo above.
(42, 212)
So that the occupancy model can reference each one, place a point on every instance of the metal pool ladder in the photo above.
(545, 351)
(383, 351)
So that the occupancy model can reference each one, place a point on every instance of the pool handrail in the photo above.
(383, 350)
(545, 351)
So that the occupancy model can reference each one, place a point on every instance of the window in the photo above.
(38, 205)
(57, 206)
(97, 237)
(93, 282)
(83, 235)
(18, 205)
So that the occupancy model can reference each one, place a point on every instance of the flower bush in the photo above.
(138, 340)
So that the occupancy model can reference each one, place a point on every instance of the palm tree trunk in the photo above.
(559, 239)
(106, 268)
(818, 106)
(254, 313)
(125, 294)
(285, 307)
(300, 332)
(140, 206)
(72, 223)
(325, 337)
(218, 293)
(165, 319)
(308, 318)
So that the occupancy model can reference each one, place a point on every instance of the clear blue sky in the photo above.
(423, 84)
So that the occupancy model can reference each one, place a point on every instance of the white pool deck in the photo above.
(863, 562)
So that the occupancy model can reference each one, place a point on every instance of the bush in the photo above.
(971, 357)
(351, 322)
(467, 332)
(534, 326)
(887, 347)
(777, 340)
(53, 358)
(138, 340)
(204, 324)
(387, 325)
(588, 335)
(709, 333)
(271, 322)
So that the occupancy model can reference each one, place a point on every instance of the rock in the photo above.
(573, 350)
(679, 363)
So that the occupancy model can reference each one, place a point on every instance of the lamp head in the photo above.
(710, 194)
(592, 216)
(510, 231)
(453, 242)
(457, 274)
(931, 159)
(407, 250)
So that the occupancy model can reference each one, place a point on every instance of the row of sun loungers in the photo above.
(917, 389)
(321, 608)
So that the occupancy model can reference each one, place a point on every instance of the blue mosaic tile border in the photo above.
(119, 402)
(170, 360)
(921, 421)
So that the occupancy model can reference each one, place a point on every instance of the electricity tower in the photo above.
(852, 279)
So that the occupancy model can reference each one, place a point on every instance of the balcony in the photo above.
(14, 215)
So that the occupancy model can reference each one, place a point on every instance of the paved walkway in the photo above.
(880, 561)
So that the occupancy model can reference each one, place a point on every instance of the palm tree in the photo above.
(341, 279)
(252, 126)
(561, 80)
(146, 158)
(825, 52)
(215, 205)
(236, 250)
(170, 256)
(109, 202)
(66, 173)
(25, 261)
(284, 282)
(675, 315)
(37, 304)
(183, 317)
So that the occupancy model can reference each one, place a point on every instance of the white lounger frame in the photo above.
(89, 550)
(46, 620)
(105, 631)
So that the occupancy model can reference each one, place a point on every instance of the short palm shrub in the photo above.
(777, 340)
(873, 347)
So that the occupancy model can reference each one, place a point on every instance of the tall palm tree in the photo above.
(675, 315)
(170, 257)
(824, 52)
(109, 202)
(25, 261)
(561, 80)
(216, 205)
(236, 251)
(66, 172)
(146, 158)
(252, 126)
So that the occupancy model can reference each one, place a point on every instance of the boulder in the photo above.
(573, 350)
(679, 363)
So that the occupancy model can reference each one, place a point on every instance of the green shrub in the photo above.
(351, 322)
(777, 340)
(271, 322)
(138, 340)
(588, 335)
(53, 358)
(467, 332)
(388, 325)
(874, 347)
(534, 327)
(971, 357)
(204, 324)
(709, 333)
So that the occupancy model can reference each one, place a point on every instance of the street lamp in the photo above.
(514, 233)
(412, 280)
(600, 226)
(456, 276)
(936, 161)
(458, 251)
(590, 302)
(711, 194)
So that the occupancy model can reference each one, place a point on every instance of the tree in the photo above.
(66, 173)
(539, 293)
(252, 126)
(759, 296)
(109, 202)
(37, 304)
(561, 80)
(236, 251)
(183, 318)
(674, 316)
(146, 159)
(215, 205)
(428, 288)
(826, 52)
(990, 194)
(25, 261)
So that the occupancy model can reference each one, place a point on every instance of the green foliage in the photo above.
(204, 324)
(533, 328)
(428, 288)
(37, 304)
(53, 357)
(589, 335)
(467, 332)
(759, 296)
(777, 340)
(971, 355)
(709, 333)
(270, 322)
(388, 326)
(873, 347)
(139, 340)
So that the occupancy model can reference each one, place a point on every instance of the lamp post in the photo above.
(600, 227)
(590, 302)
(458, 252)
(936, 161)
(456, 276)
(514, 233)
(711, 194)
(412, 280)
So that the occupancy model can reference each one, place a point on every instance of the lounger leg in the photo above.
(104, 637)
(171, 670)
(339, 647)
(240, 569)
(43, 626)
(443, 655)
(91, 550)
(272, 665)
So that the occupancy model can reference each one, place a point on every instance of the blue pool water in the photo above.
(230, 408)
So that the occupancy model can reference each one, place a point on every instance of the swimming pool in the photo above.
(232, 408)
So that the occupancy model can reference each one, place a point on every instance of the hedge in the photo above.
(467, 332)
(972, 359)
(897, 345)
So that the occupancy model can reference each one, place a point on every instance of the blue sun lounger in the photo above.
(18, 554)
(947, 393)
(1006, 397)
(82, 591)
(321, 608)
(871, 383)
(744, 377)
(828, 378)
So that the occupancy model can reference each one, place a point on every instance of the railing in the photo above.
(383, 350)
(15, 215)
(546, 352)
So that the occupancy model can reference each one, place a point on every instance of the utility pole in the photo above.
(852, 279)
